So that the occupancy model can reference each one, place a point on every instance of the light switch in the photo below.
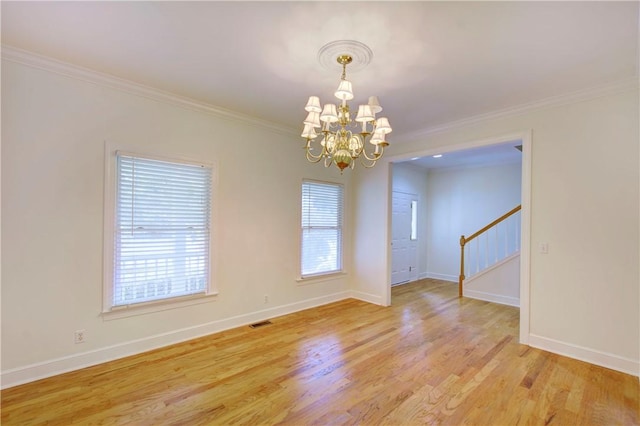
(544, 248)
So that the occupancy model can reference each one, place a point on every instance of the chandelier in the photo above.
(339, 140)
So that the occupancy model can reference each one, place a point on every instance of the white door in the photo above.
(404, 250)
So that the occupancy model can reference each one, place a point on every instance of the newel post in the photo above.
(461, 278)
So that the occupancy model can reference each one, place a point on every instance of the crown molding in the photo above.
(66, 69)
(46, 63)
(620, 86)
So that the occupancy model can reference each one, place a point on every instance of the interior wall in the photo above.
(412, 179)
(461, 201)
(54, 130)
(584, 204)
(371, 268)
(499, 284)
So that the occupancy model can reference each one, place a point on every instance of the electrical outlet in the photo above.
(79, 336)
(266, 298)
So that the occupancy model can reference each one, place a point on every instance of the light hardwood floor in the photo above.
(431, 358)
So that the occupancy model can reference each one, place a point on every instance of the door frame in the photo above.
(525, 137)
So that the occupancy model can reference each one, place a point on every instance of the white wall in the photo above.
(371, 272)
(584, 203)
(499, 283)
(53, 133)
(460, 202)
(412, 179)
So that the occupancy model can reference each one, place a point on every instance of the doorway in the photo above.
(524, 145)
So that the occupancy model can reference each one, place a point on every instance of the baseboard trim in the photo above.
(491, 297)
(366, 297)
(603, 359)
(444, 277)
(53, 367)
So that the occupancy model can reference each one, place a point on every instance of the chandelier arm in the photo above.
(372, 161)
(375, 157)
(310, 157)
(368, 166)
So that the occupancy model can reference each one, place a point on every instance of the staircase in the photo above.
(496, 245)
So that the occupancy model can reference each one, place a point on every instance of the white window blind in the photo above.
(162, 226)
(322, 208)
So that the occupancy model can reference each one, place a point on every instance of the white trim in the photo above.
(491, 297)
(444, 277)
(402, 283)
(108, 225)
(386, 298)
(126, 311)
(29, 373)
(366, 297)
(46, 63)
(525, 237)
(619, 86)
(490, 268)
(474, 143)
(311, 279)
(592, 356)
(66, 69)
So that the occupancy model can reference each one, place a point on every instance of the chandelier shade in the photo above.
(377, 138)
(374, 103)
(383, 125)
(365, 114)
(340, 140)
(313, 105)
(329, 114)
(313, 119)
(309, 132)
(345, 91)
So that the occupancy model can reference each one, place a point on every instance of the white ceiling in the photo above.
(433, 62)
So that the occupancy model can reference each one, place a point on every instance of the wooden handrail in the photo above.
(464, 241)
(491, 225)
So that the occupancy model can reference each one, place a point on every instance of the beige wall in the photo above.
(585, 176)
(54, 130)
(461, 201)
(584, 204)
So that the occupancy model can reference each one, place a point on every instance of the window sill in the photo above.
(157, 306)
(319, 278)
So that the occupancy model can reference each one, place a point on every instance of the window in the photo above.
(321, 239)
(161, 230)
(414, 220)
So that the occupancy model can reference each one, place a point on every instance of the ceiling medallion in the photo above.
(360, 53)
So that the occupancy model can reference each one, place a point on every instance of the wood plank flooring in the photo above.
(431, 358)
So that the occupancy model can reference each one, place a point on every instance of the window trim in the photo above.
(110, 311)
(329, 275)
